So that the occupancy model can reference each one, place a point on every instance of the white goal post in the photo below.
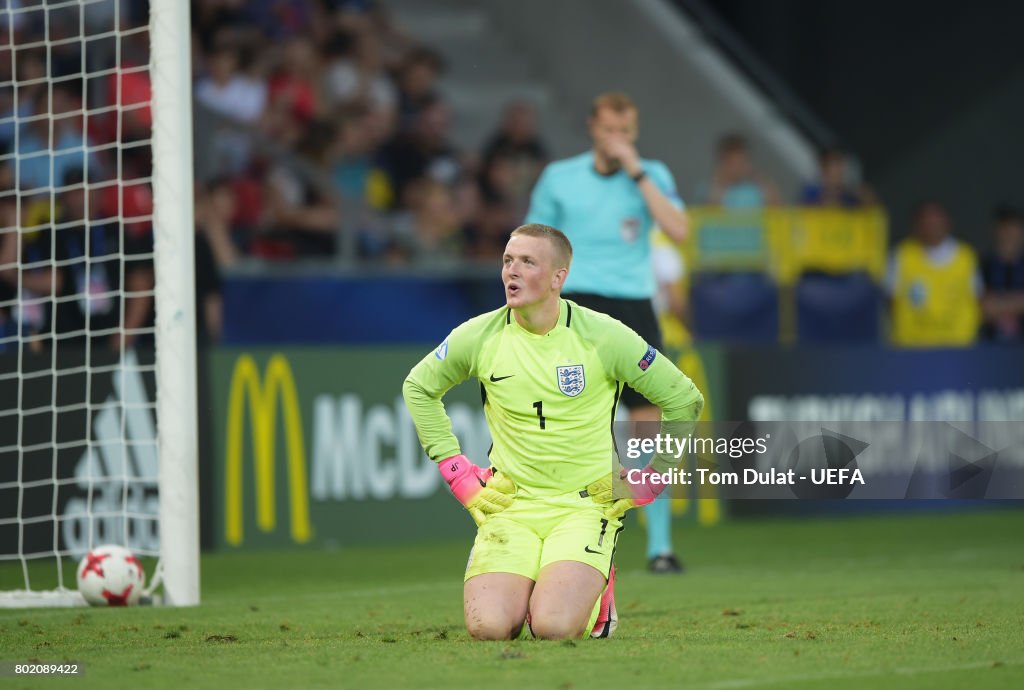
(98, 444)
(173, 226)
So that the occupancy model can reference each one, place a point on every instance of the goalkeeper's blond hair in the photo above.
(563, 248)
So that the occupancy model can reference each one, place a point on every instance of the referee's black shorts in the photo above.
(638, 314)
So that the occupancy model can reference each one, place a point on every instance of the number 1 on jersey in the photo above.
(539, 406)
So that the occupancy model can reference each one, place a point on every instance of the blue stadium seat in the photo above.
(735, 307)
(837, 308)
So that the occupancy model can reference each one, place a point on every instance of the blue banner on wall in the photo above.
(875, 383)
(333, 309)
(839, 384)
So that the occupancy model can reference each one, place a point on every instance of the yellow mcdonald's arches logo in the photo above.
(278, 383)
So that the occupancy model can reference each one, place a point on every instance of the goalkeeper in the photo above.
(550, 374)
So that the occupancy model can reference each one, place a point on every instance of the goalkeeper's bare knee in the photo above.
(556, 628)
(493, 629)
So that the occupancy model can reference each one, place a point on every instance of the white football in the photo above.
(110, 575)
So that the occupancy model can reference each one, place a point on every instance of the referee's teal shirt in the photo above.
(607, 221)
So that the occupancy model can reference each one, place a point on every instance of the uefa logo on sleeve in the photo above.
(648, 358)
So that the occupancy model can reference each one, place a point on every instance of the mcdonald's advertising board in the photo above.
(314, 446)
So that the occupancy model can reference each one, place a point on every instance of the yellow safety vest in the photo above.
(934, 306)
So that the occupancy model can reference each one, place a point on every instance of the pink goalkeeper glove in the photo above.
(476, 488)
(644, 491)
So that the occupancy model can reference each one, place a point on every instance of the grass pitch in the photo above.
(923, 601)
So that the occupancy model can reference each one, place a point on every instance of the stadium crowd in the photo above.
(75, 162)
(357, 100)
(322, 131)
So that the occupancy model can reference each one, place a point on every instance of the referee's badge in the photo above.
(630, 229)
(571, 380)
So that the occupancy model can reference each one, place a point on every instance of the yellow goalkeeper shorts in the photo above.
(538, 530)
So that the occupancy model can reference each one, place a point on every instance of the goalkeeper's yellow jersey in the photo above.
(549, 399)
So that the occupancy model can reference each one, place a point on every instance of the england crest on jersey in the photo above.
(571, 380)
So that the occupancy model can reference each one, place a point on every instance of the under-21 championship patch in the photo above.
(648, 359)
(442, 350)
(571, 380)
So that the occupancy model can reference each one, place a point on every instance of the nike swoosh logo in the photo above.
(495, 379)
(589, 550)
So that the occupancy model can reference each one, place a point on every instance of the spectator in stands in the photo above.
(87, 281)
(355, 74)
(359, 16)
(293, 93)
(14, 22)
(356, 174)
(231, 86)
(833, 186)
(40, 152)
(7, 116)
(488, 225)
(221, 21)
(65, 50)
(735, 183)
(93, 273)
(391, 133)
(518, 135)
(9, 231)
(432, 230)
(131, 89)
(518, 144)
(228, 91)
(285, 20)
(26, 278)
(1002, 272)
(31, 76)
(103, 15)
(364, 188)
(213, 250)
(8, 188)
(113, 251)
(417, 85)
(502, 203)
(215, 211)
(424, 151)
(301, 216)
(499, 180)
(934, 284)
(249, 191)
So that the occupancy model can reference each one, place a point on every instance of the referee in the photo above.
(607, 201)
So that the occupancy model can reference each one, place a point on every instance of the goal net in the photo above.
(97, 349)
